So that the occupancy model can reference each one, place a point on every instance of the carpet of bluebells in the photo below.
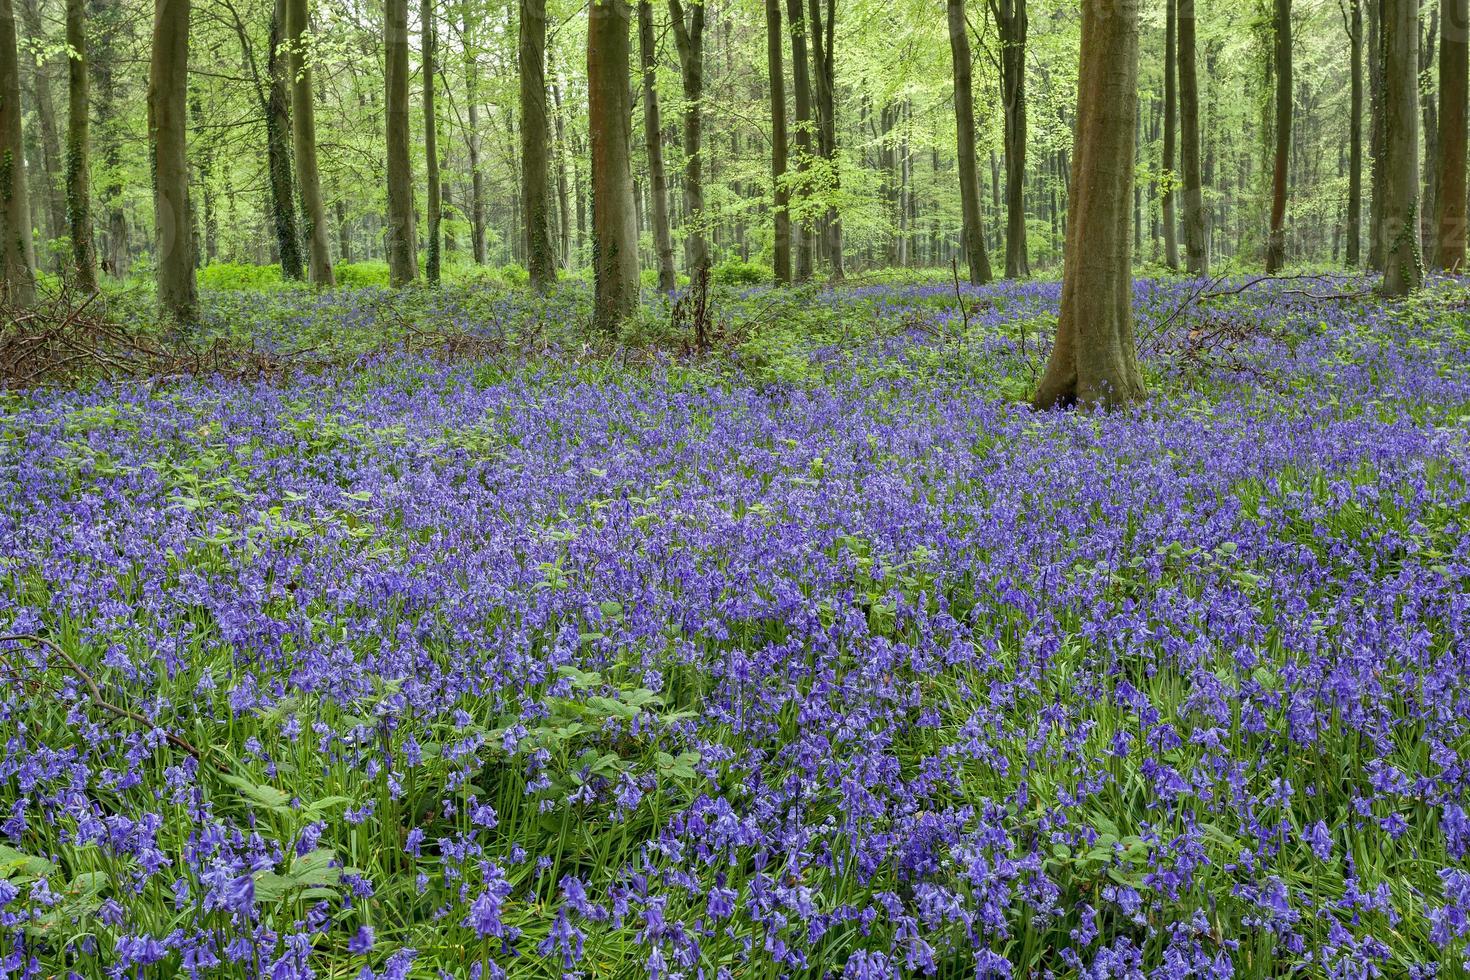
(822, 657)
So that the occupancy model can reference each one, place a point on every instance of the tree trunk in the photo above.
(1355, 133)
(79, 150)
(1449, 199)
(1011, 21)
(1094, 360)
(563, 196)
(1196, 245)
(1276, 249)
(403, 263)
(802, 240)
(116, 255)
(46, 116)
(1171, 100)
(775, 43)
(1377, 134)
(168, 122)
(434, 190)
(536, 147)
(303, 136)
(825, 100)
(472, 137)
(964, 109)
(1429, 128)
(689, 39)
(17, 251)
(278, 146)
(1402, 269)
(653, 138)
(610, 109)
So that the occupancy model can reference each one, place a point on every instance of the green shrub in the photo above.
(240, 276)
(359, 275)
(736, 273)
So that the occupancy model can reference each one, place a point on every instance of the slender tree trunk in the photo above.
(472, 137)
(1429, 107)
(1011, 21)
(610, 109)
(17, 251)
(1276, 249)
(653, 138)
(563, 195)
(303, 133)
(822, 35)
(205, 173)
(1196, 244)
(1171, 221)
(689, 39)
(1403, 271)
(1094, 360)
(1454, 58)
(964, 108)
(46, 117)
(776, 71)
(168, 124)
(403, 263)
(344, 231)
(803, 241)
(278, 146)
(1355, 133)
(1377, 134)
(434, 188)
(116, 254)
(79, 150)
(536, 147)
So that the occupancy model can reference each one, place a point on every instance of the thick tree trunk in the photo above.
(802, 239)
(1429, 128)
(17, 251)
(303, 136)
(1399, 234)
(168, 122)
(403, 263)
(536, 147)
(433, 190)
(653, 138)
(610, 109)
(1276, 247)
(472, 136)
(1196, 242)
(1094, 361)
(776, 72)
(1171, 221)
(278, 145)
(964, 109)
(1355, 133)
(689, 40)
(1454, 58)
(79, 149)
(823, 34)
(1010, 19)
(46, 116)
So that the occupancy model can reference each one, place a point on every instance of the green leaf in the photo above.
(266, 796)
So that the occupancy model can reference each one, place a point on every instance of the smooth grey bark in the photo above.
(1402, 265)
(689, 40)
(653, 139)
(1094, 360)
(17, 250)
(1196, 241)
(168, 122)
(79, 149)
(614, 220)
(303, 136)
(964, 107)
(781, 204)
(402, 242)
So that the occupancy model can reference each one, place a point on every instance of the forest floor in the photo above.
(794, 645)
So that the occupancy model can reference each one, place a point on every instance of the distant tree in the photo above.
(472, 131)
(1196, 231)
(535, 146)
(803, 242)
(689, 40)
(17, 251)
(168, 122)
(1171, 115)
(1402, 263)
(776, 72)
(433, 187)
(614, 219)
(1094, 360)
(1353, 23)
(1011, 22)
(403, 267)
(822, 34)
(304, 145)
(964, 108)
